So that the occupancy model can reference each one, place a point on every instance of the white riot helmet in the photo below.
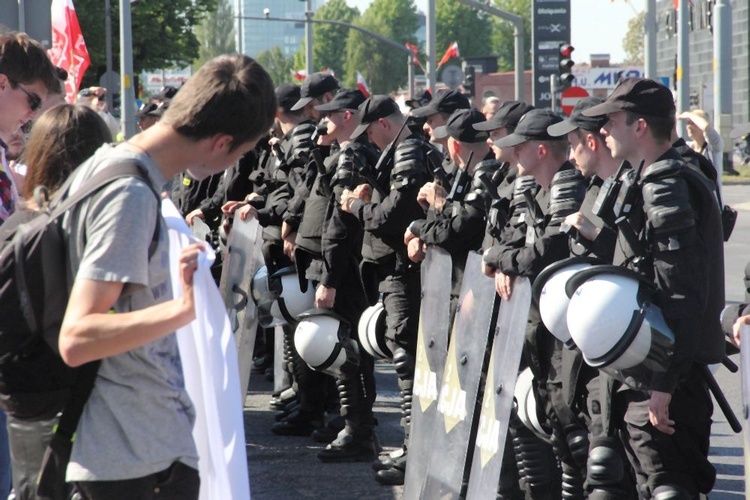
(282, 298)
(323, 341)
(549, 292)
(371, 331)
(616, 326)
(526, 405)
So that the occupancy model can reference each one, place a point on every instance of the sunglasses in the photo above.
(35, 102)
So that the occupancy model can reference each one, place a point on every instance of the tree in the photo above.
(162, 33)
(633, 41)
(463, 24)
(384, 67)
(502, 38)
(329, 41)
(278, 66)
(215, 34)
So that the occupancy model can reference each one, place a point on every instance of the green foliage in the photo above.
(278, 66)
(502, 38)
(456, 22)
(216, 33)
(162, 33)
(384, 67)
(329, 41)
(633, 41)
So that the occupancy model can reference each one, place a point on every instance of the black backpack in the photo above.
(35, 383)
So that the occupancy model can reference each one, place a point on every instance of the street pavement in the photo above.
(287, 467)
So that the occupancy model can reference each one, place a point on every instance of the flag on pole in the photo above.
(362, 85)
(451, 52)
(414, 51)
(68, 48)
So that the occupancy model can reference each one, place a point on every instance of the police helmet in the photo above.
(323, 341)
(526, 406)
(283, 299)
(371, 331)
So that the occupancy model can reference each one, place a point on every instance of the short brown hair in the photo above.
(661, 127)
(230, 94)
(23, 60)
(60, 140)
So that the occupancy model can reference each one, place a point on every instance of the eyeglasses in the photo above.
(35, 102)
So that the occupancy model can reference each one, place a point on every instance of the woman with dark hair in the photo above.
(60, 140)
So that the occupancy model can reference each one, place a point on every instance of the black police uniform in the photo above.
(527, 254)
(681, 250)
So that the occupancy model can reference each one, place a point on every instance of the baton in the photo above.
(713, 386)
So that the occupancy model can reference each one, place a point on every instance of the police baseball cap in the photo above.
(421, 100)
(641, 96)
(461, 127)
(287, 96)
(579, 120)
(445, 101)
(315, 86)
(507, 115)
(372, 110)
(151, 109)
(344, 99)
(532, 127)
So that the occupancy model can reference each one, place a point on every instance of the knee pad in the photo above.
(404, 364)
(605, 466)
(670, 492)
(578, 444)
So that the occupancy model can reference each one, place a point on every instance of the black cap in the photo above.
(167, 93)
(344, 99)
(507, 115)
(579, 120)
(461, 127)
(315, 86)
(421, 100)
(532, 127)
(151, 109)
(637, 95)
(445, 101)
(373, 109)
(287, 96)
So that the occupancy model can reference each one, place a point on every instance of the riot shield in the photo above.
(432, 346)
(242, 260)
(745, 357)
(200, 229)
(498, 393)
(452, 442)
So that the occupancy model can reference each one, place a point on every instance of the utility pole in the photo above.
(723, 75)
(308, 37)
(239, 27)
(21, 15)
(518, 35)
(108, 53)
(649, 39)
(127, 98)
(430, 41)
(683, 63)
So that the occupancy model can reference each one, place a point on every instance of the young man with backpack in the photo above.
(134, 437)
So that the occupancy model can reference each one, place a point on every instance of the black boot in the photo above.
(299, 423)
(330, 431)
(395, 475)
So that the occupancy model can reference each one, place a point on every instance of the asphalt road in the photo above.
(286, 467)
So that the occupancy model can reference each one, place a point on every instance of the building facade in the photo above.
(702, 56)
(258, 36)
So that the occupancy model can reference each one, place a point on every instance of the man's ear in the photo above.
(221, 143)
(591, 142)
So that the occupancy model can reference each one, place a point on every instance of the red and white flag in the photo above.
(414, 51)
(450, 53)
(68, 48)
(299, 75)
(362, 85)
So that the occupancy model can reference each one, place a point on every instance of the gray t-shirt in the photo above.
(139, 418)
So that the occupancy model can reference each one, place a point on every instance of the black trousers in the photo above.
(660, 459)
(178, 482)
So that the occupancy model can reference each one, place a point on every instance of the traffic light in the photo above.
(566, 66)
(469, 81)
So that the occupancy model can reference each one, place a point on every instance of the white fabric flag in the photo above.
(209, 362)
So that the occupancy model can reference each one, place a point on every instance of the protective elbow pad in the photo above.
(301, 141)
(670, 217)
(409, 166)
(521, 184)
(567, 191)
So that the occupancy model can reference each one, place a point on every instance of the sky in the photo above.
(598, 26)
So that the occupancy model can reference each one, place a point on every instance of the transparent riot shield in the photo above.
(242, 260)
(200, 229)
(498, 392)
(745, 357)
(432, 347)
(452, 440)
